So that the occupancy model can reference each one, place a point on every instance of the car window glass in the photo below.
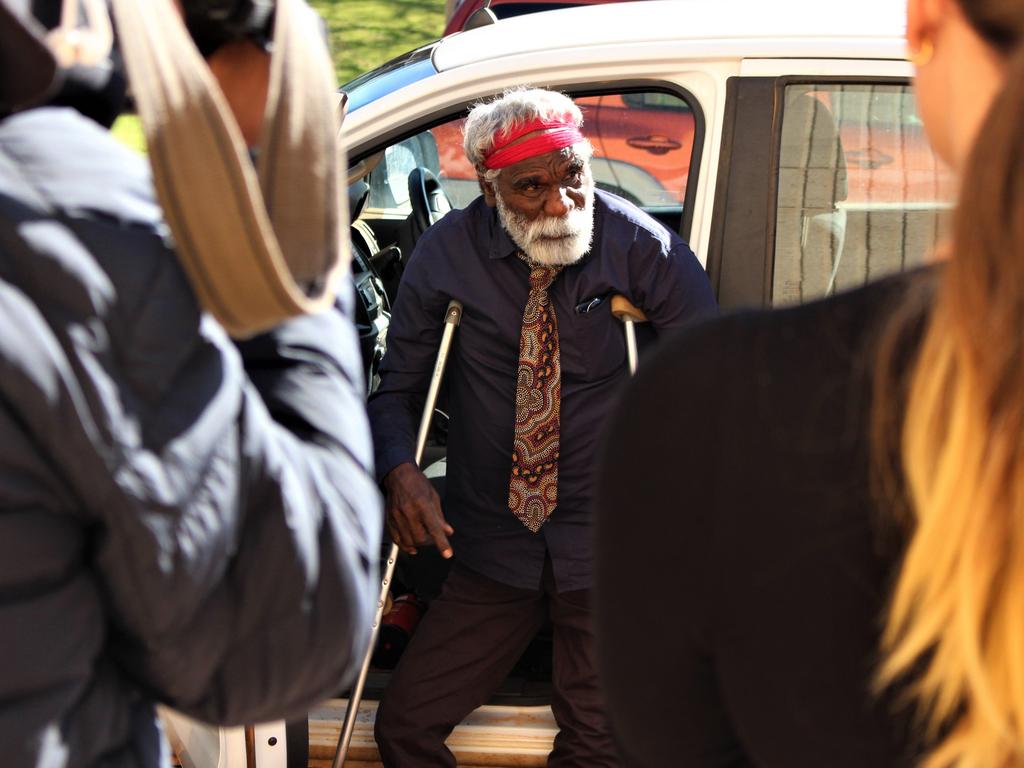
(389, 187)
(860, 193)
(643, 142)
(399, 162)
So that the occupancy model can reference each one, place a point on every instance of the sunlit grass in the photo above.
(366, 33)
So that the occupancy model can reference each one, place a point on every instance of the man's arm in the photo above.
(413, 509)
(670, 286)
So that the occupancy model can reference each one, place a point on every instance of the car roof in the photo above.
(508, 8)
(588, 44)
(812, 28)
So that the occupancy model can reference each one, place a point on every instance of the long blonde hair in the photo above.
(955, 627)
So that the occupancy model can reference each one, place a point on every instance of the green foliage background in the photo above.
(366, 33)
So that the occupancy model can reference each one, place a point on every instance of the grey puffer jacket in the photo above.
(182, 519)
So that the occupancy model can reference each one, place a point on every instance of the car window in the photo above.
(860, 192)
(389, 179)
(642, 141)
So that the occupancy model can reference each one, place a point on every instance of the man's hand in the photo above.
(414, 511)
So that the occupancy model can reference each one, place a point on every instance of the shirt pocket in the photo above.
(596, 348)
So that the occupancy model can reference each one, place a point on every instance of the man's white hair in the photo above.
(512, 109)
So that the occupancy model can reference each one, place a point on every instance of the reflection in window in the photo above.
(642, 142)
(861, 194)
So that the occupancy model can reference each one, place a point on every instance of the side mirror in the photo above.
(481, 17)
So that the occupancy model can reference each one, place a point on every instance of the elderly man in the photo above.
(534, 370)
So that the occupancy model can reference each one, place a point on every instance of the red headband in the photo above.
(558, 134)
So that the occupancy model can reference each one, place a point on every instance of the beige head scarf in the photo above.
(259, 244)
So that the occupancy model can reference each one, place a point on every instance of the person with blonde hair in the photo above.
(848, 571)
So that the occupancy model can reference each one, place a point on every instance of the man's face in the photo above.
(546, 204)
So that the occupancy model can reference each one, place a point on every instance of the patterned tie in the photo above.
(533, 488)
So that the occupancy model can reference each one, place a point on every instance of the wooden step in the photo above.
(491, 737)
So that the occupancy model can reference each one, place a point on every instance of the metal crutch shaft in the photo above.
(452, 317)
(623, 309)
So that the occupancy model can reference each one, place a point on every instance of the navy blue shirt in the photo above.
(470, 257)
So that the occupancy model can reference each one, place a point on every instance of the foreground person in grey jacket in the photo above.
(182, 519)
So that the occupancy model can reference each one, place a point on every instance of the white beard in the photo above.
(550, 241)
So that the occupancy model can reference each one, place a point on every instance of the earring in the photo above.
(922, 55)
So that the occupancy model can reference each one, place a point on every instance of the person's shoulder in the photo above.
(617, 210)
(457, 227)
(98, 247)
(824, 332)
(459, 221)
(463, 239)
(78, 168)
(851, 318)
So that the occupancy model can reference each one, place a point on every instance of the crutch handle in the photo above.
(453, 315)
(624, 309)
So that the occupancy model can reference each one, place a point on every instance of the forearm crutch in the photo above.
(623, 309)
(452, 317)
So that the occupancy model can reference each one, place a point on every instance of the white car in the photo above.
(779, 139)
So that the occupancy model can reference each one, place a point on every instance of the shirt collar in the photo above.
(502, 245)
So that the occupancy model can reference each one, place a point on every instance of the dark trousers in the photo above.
(463, 649)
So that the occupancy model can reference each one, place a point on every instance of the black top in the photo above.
(469, 256)
(742, 564)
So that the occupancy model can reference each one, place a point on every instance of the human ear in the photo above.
(923, 20)
(487, 188)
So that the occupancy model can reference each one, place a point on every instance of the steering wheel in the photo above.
(429, 202)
